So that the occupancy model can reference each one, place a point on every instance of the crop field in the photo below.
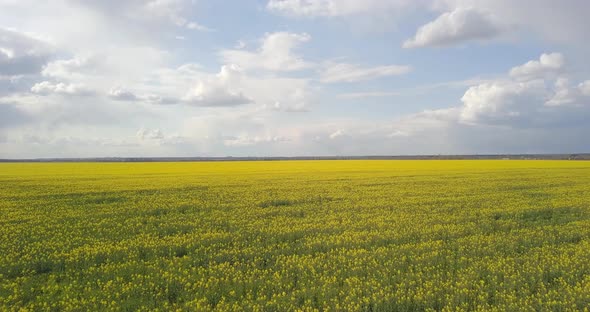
(295, 236)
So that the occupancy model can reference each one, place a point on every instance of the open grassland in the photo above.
(296, 235)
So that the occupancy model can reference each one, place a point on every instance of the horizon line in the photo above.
(510, 156)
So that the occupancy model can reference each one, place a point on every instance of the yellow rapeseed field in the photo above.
(295, 236)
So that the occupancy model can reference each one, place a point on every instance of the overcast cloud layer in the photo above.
(82, 78)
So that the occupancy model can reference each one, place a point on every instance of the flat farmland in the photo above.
(466, 235)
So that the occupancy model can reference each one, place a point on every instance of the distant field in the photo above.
(296, 235)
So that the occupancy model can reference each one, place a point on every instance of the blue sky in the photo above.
(82, 78)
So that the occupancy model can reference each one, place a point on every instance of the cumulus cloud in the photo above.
(343, 72)
(460, 25)
(231, 86)
(276, 53)
(565, 23)
(529, 97)
(189, 84)
(564, 94)
(68, 68)
(22, 53)
(502, 102)
(126, 95)
(47, 88)
(214, 95)
(551, 63)
(120, 94)
(546, 114)
(461, 20)
(127, 51)
(220, 90)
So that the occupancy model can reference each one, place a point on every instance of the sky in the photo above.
(149, 78)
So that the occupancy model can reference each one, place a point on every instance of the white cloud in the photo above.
(343, 72)
(22, 53)
(161, 100)
(564, 22)
(502, 102)
(585, 87)
(333, 8)
(127, 51)
(281, 94)
(277, 106)
(529, 97)
(214, 95)
(231, 86)
(67, 69)
(47, 88)
(147, 12)
(564, 94)
(7, 53)
(197, 26)
(397, 134)
(220, 90)
(124, 95)
(173, 11)
(460, 25)
(120, 94)
(275, 53)
(547, 64)
(338, 134)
